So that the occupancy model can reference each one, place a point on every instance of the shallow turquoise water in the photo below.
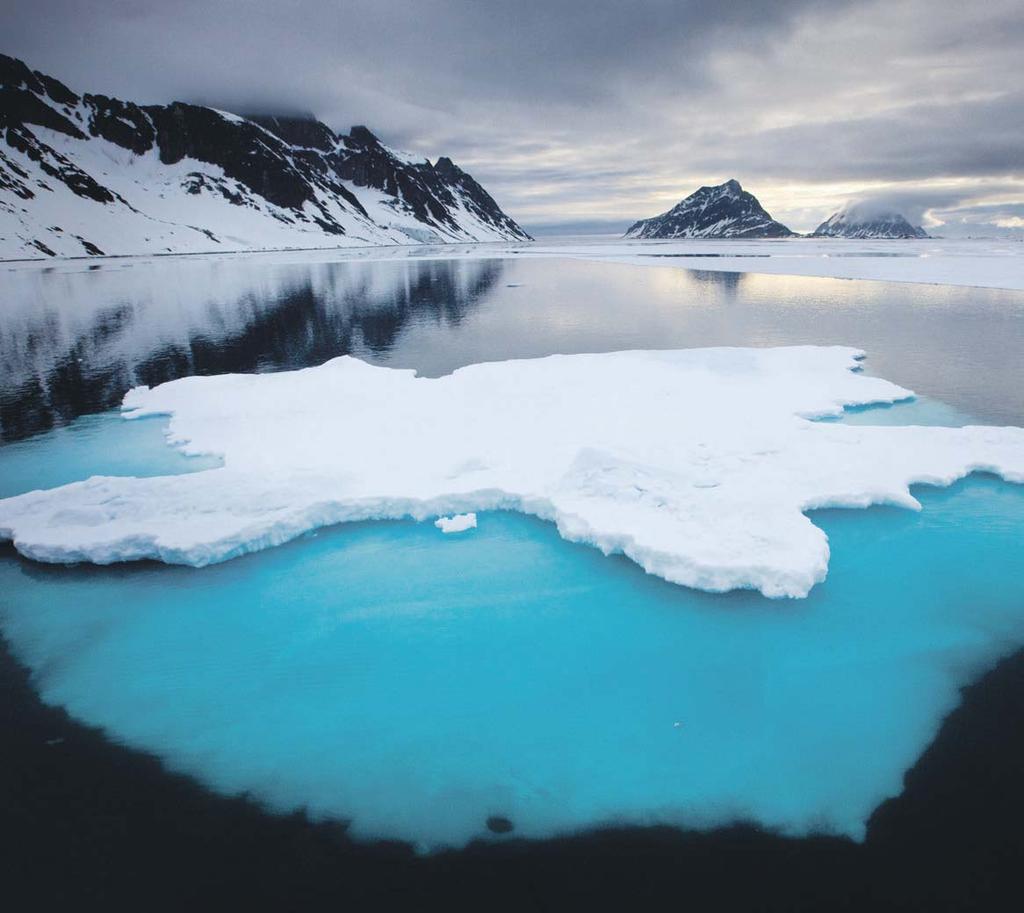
(416, 683)
(103, 444)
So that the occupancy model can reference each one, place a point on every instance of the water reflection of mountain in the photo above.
(728, 283)
(72, 343)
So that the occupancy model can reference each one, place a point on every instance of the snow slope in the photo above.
(697, 464)
(90, 175)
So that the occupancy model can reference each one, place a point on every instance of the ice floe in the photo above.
(697, 464)
(457, 524)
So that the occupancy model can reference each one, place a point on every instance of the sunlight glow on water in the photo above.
(416, 683)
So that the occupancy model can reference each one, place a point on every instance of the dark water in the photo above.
(73, 339)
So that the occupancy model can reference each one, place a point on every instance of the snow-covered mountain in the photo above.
(724, 211)
(852, 223)
(87, 174)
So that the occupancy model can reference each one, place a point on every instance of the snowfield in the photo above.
(698, 464)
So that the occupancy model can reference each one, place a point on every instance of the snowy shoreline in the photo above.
(980, 263)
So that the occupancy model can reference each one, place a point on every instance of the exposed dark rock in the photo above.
(367, 163)
(57, 166)
(477, 197)
(195, 183)
(238, 146)
(305, 131)
(16, 74)
(363, 136)
(20, 106)
(90, 248)
(13, 178)
(723, 211)
(123, 123)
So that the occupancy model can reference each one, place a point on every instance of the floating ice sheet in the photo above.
(697, 464)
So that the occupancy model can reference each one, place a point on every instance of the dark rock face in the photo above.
(239, 147)
(296, 164)
(122, 123)
(723, 211)
(433, 191)
(886, 226)
(304, 131)
(477, 198)
(364, 161)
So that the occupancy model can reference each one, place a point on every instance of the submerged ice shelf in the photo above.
(697, 464)
(403, 680)
(414, 684)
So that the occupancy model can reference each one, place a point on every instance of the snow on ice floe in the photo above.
(457, 524)
(697, 464)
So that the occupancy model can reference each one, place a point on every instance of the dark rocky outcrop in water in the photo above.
(723, 211)
(293, 171)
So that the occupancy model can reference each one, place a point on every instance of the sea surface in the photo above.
(438, 689)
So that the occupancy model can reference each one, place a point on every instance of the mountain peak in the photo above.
(714, 211)
(297, 129)
(363, 136)
(447, 168)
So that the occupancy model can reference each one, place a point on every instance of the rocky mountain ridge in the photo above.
(89, 174)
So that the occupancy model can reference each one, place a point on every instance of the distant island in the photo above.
(728, 211)
(722, 211)
(868, 221)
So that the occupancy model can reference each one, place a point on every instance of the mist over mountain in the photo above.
(869, 219)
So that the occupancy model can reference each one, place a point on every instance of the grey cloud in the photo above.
(983, 212)
(590, 110)
(964, 138)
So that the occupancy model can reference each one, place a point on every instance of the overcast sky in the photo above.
(598, 113)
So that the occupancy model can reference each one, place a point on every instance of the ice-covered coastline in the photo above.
(978, 263)
(697, 464)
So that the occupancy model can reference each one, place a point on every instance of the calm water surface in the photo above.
(74, 338)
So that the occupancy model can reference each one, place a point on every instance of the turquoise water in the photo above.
(415, 683)
(103, 444)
